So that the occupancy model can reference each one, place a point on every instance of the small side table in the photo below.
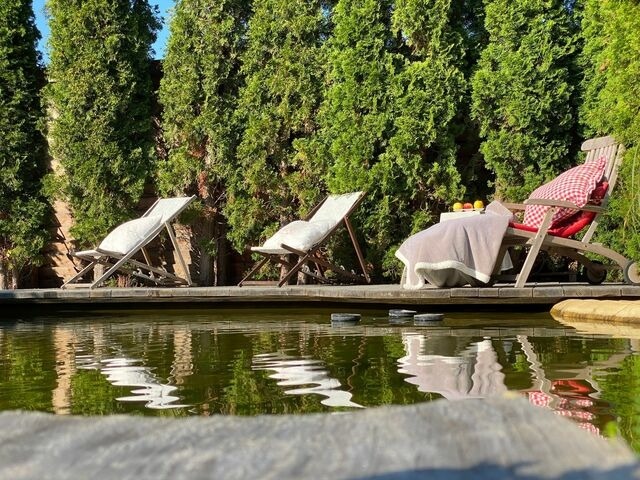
(459, 214)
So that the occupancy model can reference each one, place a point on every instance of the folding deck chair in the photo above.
(556, 236)
(305, 238)
(118, 248)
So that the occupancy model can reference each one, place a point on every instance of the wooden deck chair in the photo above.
(118, 248)
(305, 238)
(564, 219)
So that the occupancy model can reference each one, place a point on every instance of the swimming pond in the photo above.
(275, 361)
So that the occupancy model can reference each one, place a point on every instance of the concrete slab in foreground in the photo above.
(495, 439)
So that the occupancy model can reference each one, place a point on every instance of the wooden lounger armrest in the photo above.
(594, 208)
(563, 203)
(514, 206)
(551, 203)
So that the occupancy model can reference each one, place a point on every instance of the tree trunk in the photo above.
(221, 262)
(4, 284)
(15, 275)
(203, 234)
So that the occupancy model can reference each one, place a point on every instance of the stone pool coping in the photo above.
(614, 311)
(498, 438)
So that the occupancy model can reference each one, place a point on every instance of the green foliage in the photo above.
(199, 95)
(612, 107)
(22, 146)
(269, 183)
(199, 92)
(356, 117)
(388, 122)
(523, 93)
(100, 95)
(427, 95)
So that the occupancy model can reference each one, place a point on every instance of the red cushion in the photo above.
(571, 225)
(574, 185)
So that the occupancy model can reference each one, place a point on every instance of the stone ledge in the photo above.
(498, 439)
(624, 311)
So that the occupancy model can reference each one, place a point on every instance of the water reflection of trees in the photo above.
(211, 366)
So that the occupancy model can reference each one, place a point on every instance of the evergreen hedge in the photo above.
(22, 145)
(356, 118)
(612, 107)
(268, 104)
(269, 183)
(100, 95)
(523, 93)
(199, 95)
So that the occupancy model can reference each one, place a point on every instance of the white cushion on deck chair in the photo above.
(127, 236)
(300, 234)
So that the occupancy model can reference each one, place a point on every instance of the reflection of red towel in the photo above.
(578, 387)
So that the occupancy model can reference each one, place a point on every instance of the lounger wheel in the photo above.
(595, 276)
(631, 273)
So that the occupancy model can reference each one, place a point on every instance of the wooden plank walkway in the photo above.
(533, 294)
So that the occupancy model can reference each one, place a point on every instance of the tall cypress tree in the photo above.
(418, 171)
(199, 95)
(356, 117)
(269, 183)
(22, 146)
(612, 107)
(522, 93)
(100, 93)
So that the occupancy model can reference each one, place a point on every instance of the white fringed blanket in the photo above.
(456, 252)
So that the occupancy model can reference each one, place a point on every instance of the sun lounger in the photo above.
(305, 238)
(554, 219)
(117, 250)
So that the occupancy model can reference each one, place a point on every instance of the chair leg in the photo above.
(535, 249)
(356, 245)
(176, 249)
(111, 271)
(294, 270)
(80, 274)
(255, 268)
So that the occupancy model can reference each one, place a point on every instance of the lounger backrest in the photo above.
(336, 207)
(168, 208)
(613, 152)
(610, 149)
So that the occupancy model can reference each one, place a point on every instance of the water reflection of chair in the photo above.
(124, 372)
(293, 372)
(474, 373)
(573, 398)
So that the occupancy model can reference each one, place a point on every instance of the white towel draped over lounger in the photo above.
(456, 252)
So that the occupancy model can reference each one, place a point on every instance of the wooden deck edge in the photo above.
(538, 294)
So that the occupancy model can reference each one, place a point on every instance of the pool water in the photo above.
(274, 361)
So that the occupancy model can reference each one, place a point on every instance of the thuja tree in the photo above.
(199, 93)
(522, 93)
(100, 96)
(418, 172)
(356, 118)
(22, 209)
(612, 107)
(269, 184)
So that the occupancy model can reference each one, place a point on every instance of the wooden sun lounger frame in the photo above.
(568, 247)
(314, 254)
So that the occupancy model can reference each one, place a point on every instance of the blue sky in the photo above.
(164, 5)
